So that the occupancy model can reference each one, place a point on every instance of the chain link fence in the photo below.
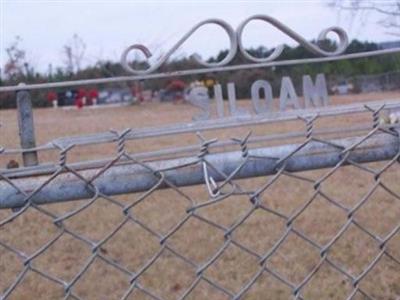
(376, 83)
(317, 219)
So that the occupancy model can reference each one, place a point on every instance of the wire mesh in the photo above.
(331, 233)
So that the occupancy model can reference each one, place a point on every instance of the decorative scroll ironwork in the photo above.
(224, 25)
(303, 220)
(315, 49)
(236, 42)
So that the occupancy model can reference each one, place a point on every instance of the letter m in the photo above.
(315, 94)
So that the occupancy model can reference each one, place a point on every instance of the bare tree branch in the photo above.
(390, 11)
(374, 8)
(74, 52)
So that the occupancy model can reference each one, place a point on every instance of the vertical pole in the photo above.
(26, 128)
(219, 99)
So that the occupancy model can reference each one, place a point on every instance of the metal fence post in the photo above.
(26, 127)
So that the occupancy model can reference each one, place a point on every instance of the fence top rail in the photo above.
(180, 73)
(235, 46)
(135, 177)
(180, 152)
(213, 124)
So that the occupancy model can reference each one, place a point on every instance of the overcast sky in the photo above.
(107, 27)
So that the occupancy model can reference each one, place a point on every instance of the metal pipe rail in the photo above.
(188, 171)
(71, 83)
(215, 124)
(177, 152)
(233, 122)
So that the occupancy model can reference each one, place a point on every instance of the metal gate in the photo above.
(302, 204)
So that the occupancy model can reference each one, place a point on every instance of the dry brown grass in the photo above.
(170, 276)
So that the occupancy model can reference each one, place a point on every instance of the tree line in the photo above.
(17, 70)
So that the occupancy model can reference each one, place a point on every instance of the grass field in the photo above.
(170, 276)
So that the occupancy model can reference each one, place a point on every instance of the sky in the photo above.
(108, 27)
